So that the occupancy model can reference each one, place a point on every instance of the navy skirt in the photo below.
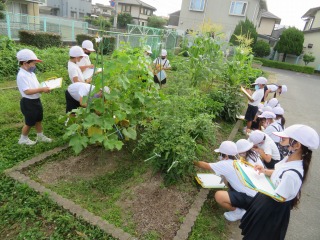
(266, 219)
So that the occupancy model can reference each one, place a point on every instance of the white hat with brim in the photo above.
(266, 108)
(87, 44)
(148, 49)
(267, 114)
(243, 145)
(256, 136)
(76, 51)
(26, 55)
(164, 52)
(228, 148)
(278, 110)
(305, 135)
(273, 102)
(260, 80)
(284, 89)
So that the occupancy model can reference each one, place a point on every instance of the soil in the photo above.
(154, 208)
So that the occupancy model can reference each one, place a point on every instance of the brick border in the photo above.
(78, 211)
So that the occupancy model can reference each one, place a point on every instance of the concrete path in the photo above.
(302, 105)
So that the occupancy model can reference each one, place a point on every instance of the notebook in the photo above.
(252, 179)
(52, 83)
(210, 180)
(88, 73)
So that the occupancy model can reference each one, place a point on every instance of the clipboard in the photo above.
(210, 180)
(52, 83)
(88, 73)
(246, 93)
(258, 182)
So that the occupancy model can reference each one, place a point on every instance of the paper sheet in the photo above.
(88, 73)
(52, 84)
(210, 180)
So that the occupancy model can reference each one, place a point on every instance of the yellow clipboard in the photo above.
(210, 180)
(246, 93)
(258, 182)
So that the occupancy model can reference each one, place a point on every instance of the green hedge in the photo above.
(286, 66)
(40, 39)
(81, 37)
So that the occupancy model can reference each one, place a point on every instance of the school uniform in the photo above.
(240, 196)
(74, 92)
(75, 71)
(253, 106)
(273, 89)
(85, 61)
(164, 64)
(267, 218)
(274, 127)
(30, 105)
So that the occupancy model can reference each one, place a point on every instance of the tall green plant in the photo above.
(244, 28)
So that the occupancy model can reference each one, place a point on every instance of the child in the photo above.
(255, 99)
(266, 147)
(30, 103)
(76, 54)
(269, 219)
(245, 151)
(236, 199)
(161, 64)
(274, 88)
(85, 62)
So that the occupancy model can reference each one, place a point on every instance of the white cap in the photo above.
(76, 51)
(273, 102)
(265, 108)
(227, 147)
(278, 110)
(163, 52)
(243, 145)
(267, 114)
(284, 89)
(260, 80)
(256, 136)
(87, 44)
(25, 55)
(106, 89)
(260, 106)
(305, 135)
(148, 49)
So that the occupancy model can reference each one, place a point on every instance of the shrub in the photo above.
(286, 66)
(81, 37)
(40, 39)
(261, 49)
(9, 64)
(308, 58)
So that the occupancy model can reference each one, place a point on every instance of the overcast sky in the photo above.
(290, 11)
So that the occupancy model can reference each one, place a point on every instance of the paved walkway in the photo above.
(301, 105)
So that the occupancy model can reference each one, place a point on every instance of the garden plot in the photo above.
(120, 189)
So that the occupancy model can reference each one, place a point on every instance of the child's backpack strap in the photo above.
(294, 170)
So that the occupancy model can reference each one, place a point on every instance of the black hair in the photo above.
(253, 155)
(283, 120)
(306, 160)
(22, 62)
(229, 156)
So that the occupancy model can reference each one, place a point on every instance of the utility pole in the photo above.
(115, 19)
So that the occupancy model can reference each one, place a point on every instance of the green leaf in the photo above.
(78, 142)
(130, 133)
(140, 96)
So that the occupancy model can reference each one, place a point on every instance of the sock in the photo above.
(40, 134)
(23, 137)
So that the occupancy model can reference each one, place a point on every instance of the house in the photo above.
(76, 9)
(311, 33)
(24, 7)
(226, 14)
(105, 11)
(139, 10)
(174, 19)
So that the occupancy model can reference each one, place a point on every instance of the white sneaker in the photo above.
(234, 215)
(26, 141)
(44, 138)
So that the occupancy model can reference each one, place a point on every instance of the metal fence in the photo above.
(67, 28)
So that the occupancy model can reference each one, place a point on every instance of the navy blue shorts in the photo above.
(239, 199)
(32, 111)
(251, 112)
(71, 103)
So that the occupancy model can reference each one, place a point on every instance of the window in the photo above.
(126, 8)
(81, 15)
(73, 14)
(145, 11)
(238, 8)
(197, 5)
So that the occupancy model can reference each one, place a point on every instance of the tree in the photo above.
(2, 8)
(99, 22)
(244, 28)
(291, 42)
(123, 19)
(261, 49)
(308, 58)
(156, 22)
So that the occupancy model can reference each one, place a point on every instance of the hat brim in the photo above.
(149, 52)
(280, 134)
(247, 148)
(217, 150)
(38, 60)
(91, 49)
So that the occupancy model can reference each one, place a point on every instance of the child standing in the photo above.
(161, 64)
(75, 74)
(85, 62)
(30, 103)
(267, 218)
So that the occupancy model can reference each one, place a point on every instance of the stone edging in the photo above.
(182, 233)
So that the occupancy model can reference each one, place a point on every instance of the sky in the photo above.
(290, 11)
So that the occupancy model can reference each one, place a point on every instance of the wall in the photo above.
(266, 26)
(313, 38)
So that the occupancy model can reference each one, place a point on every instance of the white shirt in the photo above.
(225, 168)
(75, 71)
(164, 62)
(85, 61)
(257, 97)
(258, 160)
(79, 89)
(290, 184)
(27, 80)
(269, 147)
(274, 127)
(272, 87)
